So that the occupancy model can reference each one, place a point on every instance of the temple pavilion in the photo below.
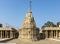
(7, 32)
(52, 32)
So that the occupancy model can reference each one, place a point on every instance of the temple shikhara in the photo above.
(29, 30)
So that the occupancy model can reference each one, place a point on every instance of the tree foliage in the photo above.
(0, 25)
(49, 24)
(58, 23)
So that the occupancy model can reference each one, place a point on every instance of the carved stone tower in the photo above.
(29, 31)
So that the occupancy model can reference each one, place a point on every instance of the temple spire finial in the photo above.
(30, 5)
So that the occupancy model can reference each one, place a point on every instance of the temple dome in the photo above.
(29, 21)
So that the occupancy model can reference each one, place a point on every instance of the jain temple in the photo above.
(29, 30)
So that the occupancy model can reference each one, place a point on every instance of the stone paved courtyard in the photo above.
(17, 41)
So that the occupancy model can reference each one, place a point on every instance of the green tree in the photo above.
(49, 24)
(58, 23)
(0, 25)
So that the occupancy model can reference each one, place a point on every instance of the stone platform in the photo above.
(17, 41)
(5, 39)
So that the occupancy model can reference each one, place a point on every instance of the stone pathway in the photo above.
(17, 41)
(54, 39)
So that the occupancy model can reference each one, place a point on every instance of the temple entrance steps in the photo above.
(5, 39)
(55, 39)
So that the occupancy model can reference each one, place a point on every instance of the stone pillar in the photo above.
(11, 34)
(1, 33)
(51, 35)
(59, 34)
(56, 33)
(7, 34)
(32, 34)
(14, 34)
(46, 34)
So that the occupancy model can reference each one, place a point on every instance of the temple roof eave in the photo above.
(6, 28)
(51, 28)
